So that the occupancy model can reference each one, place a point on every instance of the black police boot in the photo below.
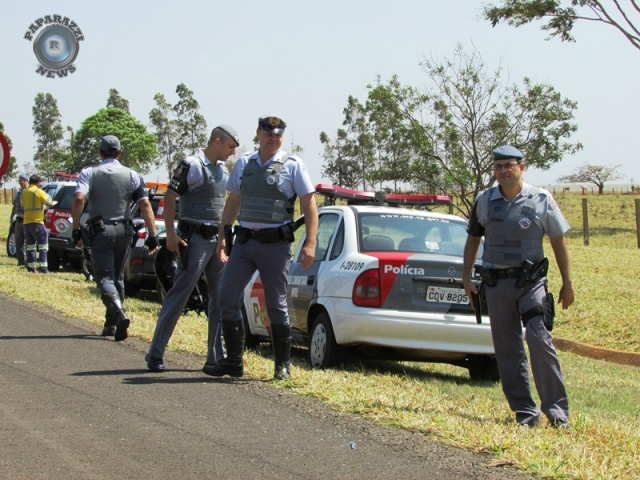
(281, 336)
(116, 314)
(232, 364)
(109, 328)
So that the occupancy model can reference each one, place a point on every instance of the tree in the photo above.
(116, 101)
(561, 20)
(191, 125)
(11, 172)
(138, 145)
(337, 164)
(47, 127)
(449, 129)
(166, 132)
(597, 174)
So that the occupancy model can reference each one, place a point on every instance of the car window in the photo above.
(64, 197)
(326, 228)
(338, 243)
(411, 233)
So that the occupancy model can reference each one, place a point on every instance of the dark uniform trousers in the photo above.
(272, 261)
(506, 303)
(201, 258)
(109, 249)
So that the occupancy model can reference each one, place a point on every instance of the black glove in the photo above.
(151, 242)
(76, 235)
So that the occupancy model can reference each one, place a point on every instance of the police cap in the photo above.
(271, 123)
(110, 144)
(229, 130)
(507, 151)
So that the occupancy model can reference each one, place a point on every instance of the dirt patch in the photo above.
(598, 353)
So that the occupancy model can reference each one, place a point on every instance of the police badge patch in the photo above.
(524, 223)
(180, 171)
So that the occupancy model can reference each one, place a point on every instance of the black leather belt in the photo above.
(19, 219)
(207, 230)
(511, 272)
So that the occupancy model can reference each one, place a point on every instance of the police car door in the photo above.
(303, 283)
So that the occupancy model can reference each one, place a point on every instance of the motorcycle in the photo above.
(165, 265)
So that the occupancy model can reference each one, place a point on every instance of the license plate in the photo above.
(447, 295)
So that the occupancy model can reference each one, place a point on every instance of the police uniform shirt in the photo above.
(138, 191)
(548, 214)
(195, 175)
(294, 179)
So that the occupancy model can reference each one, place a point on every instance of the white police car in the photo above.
(386, 282)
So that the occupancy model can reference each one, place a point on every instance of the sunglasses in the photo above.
(506, 166)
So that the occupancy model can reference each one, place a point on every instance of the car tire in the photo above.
(324, 352)
(483, 368)
(87, 264)
(251, 342)
(53, 261)
(131, 289)
(160, 291)
(11, 243)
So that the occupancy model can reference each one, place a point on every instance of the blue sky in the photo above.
(301, 61)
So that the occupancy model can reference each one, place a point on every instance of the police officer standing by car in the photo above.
(111, 188)
(263, 188)
(513, 217)
(18, 211)
(200, 181)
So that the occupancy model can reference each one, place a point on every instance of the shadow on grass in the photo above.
(360, 364)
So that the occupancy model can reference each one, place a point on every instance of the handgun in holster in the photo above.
(228, 239)
(547, 309)
(477, 299)
(184, 255)
(530, 272)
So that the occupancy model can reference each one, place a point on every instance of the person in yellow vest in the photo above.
(35, 201)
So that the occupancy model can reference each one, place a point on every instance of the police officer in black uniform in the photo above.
(18, 211)
(513, 217)
(111, 189)
(263, 188)
(200, 181)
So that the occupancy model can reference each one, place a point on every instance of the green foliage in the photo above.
(440, 140)
(191, 125)
(138, 145)
(116, 101)
(596, 174)
(561, 20)
(166, 132)
(47, 128)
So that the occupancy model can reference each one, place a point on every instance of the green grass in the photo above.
(439, 399)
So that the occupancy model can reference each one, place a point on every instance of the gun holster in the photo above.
(85, 234)
(488, 275)
(547, 309)
(228, 239)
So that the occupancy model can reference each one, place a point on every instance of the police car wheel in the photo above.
(53, 261)
(160, 291)
(11, 243)
(483, 368)
(324, 352)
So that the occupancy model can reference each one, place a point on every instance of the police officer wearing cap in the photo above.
(263, 188)
(200, 181)
(111, 188)
(513, 217)
(18, 211)
(35, 201)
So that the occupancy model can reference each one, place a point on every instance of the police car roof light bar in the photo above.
(353, 197)
(72, 176)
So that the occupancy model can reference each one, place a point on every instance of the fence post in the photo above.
(638, 220)
(585, 222)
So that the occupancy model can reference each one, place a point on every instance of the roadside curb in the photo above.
(598, 353)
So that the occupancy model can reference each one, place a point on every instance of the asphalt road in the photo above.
(74, 405)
